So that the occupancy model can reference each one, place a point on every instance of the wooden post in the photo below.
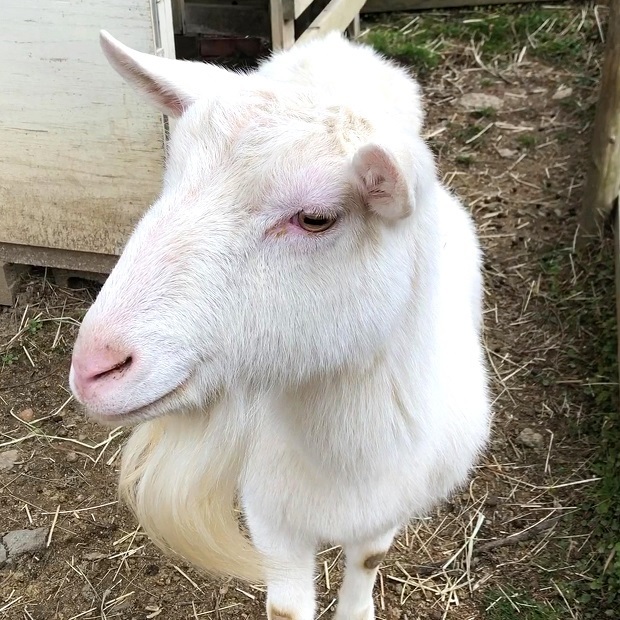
(603, 180)
(282, 27)
(8, 280)
(353, 30)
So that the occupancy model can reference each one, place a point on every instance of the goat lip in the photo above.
(154, 409)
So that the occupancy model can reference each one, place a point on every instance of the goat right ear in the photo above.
(171, 85)
(382, 182)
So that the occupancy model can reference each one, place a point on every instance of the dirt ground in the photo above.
(516, 542)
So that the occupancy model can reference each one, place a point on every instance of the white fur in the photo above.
(335, 381)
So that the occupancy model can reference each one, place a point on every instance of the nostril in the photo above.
(121, 366)
(93, 368)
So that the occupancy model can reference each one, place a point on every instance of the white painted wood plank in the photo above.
(81, 154)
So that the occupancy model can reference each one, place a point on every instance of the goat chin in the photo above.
(179, 476)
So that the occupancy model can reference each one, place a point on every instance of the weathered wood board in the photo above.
(81, 154)
(603, 178)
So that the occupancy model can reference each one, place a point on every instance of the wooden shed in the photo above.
(82, 155)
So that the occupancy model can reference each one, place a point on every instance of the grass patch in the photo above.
(603, 426)
(527, 140)
(469, 132)
(546, 33)
(595, 315)
(484, 113)
(8, 359)
(465, 159)
(34, 325)
(513, 606)
(395, 45)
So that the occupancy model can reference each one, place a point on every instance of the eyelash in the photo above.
(313, 223)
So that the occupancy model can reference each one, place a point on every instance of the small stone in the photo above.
(71, 457)
(562, 93)
(492, 501)
(27, 415)
(19, 542)
(531, 439)
(87, 592)
(507, 153)
(475, 102)
(8, 458)
(151, 570)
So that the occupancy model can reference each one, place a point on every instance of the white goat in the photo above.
(297, 319)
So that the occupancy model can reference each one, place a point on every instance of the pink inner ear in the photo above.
(159, 93)
(376, 186)
(383, 184)
(378, 171)
(169, 100)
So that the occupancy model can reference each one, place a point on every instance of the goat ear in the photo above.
(382, 182)
(171, 85)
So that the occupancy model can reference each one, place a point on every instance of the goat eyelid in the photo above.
(313, 222)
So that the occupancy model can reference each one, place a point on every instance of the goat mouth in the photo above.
(156, 408)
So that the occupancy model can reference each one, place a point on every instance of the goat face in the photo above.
(274, 254)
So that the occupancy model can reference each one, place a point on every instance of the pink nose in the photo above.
(93, 370)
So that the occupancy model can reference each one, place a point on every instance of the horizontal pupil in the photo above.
(317, 221)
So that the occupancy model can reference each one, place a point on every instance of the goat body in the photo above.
(332, 380)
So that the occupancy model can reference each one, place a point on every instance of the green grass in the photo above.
(549, 35)
(595, 315)
(519, 607)
(465, 159)
(9, 358)
(34, 325)
(395, 45)
(484, 113)
(604, 429)
(527, 140)
(468, 132)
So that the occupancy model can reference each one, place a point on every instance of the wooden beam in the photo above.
(337, 15)
(52, 257)
(392, 6)
(603, 177)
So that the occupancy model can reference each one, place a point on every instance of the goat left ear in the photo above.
(382, 182)
(169, 84)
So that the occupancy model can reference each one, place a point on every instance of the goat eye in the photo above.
(314, 223)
